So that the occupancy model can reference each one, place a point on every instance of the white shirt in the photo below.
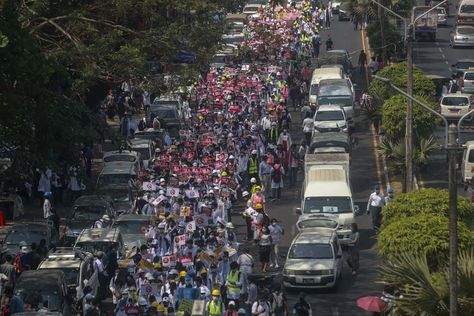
(245, 262)
(261, 309)
(308, 124)
(98, 265)
(276, 232)
(375, 200)
(47, 209)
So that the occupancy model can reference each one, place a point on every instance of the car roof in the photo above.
(457, 95)
(35, 278)
(337, 51)
(34, 226)
(137, 142)
(60, 263)
(87, 200)
(464, 60)
(133, 217)
(115, 167)
(122, 152)
(330, 136)
(315, 236)
(98, 234)
(326, 108)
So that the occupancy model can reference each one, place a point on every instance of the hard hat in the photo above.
(161, 225)
(257, 187)
(245, 193)
(229, 225)
(258, 206)
(47, 195)
(254, 152)
(162, 180)
(106, 217)
(216, 293)
(231, 157)
(224, 173)
(182, 274)
(22, 244)
(211, 191)
(253, 180)
(161, 192)
(142, 301)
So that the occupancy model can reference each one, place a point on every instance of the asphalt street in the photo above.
(341, 301)
(436, 59)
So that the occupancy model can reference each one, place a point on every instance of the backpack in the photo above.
(276, 175)
(278, 304)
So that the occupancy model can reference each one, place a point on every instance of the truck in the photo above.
(327, 190)
(426, 24)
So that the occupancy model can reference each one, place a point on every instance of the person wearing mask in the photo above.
(278, 302)
(308, 127)
(302, 308)
(246, 263)
(233, 282)
(353, 249)
(264, 248)
(293, 164)
(276, 231)
(374, 207)
(102, 222)
(273, 134)
(277, 181)
(215, 307)
(264, 172)
(47, 206)
(390, 196)
(284, 140)
(261, 307)
(231, 310)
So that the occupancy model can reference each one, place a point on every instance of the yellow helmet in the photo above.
(182, 273)
(216, 293)
(258, 206)
(224, 173)
(257, 187)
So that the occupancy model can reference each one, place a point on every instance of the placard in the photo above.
(149, 289)
(186, 305)
(148, 186)
(180, 240)
(192, 194)
(186, 260)
(191, 227)
(201, 220)
(172, 191)
(168, 261)
(185, 211)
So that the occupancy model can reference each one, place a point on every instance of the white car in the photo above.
(335, 6)
(467, 82)
(442, 16)
(252, 9)
(314, 260)
(330, 118)
(455, 105)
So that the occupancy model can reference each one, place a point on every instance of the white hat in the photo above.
(231, 303)
(162, 180)
(254, 152)
(106, 217)
(245, 193)
(253, 180)
(231, 157)
(229, 225)
(211, 191)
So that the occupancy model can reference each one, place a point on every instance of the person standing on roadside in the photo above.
(276, 231)
(374, 207)
(246, 263)
(264, 172)
(353, 249)
(308, 126)
(362, 61)
(316, 41)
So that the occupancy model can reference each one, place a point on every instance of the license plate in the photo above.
(312, 280)
(454, 111)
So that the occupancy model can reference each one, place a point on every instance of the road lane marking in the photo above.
(442, 55)
(446, 62)
(372, 129)
(440, 50)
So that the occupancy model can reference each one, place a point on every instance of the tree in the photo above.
(421, 234)
(397, 73)
(425, 202)
(391, 39)
(426, 292)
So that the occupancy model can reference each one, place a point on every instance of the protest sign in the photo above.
(148, 186)
(168, 261)
(180, 240)
(172, 191)
(190, 227)
(149, 289)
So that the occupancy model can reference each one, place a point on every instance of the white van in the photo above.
(321, 74)
(467, 168)
(466, 12)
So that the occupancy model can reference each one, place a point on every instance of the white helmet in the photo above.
(253, 180)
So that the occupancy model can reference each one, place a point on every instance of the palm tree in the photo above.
(424, 292)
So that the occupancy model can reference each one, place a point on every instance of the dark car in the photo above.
(86, 211)
(337, 57)
(132, 227)
(35, 288)
(333, 142)
(29, 233)
(121, 196)
(168, 113)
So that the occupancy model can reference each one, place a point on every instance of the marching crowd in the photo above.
(235, 151)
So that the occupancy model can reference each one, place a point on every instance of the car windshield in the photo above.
(164, 113)
(14, 237)
(36, 297)
(233, 40)
(455, 101)
(329, 116)
(131, 227)
(334, 204)
(469, 76)
(317, 222)
(88, 213)
(106, 179)
(120, 157)
(311, 251)
(218, 59)
(467, 8)
(466, 30)
(71, 274)
(117, 195)
(144, 152)
(257, 2)
(340, 100)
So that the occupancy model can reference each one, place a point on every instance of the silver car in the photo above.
(442, 16)
(467, 82)
(462, 36)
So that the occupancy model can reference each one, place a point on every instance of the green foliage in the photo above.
(426, 201)
(421, 234)
(393, 119)
(393, 38)
(426, 292)
(397, 73)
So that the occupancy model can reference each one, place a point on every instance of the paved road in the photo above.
(436, 59)
(364, 176)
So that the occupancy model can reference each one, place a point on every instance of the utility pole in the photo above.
(453, 224)
(409, 115)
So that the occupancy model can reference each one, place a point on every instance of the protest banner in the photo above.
(172, 191)
(148, 186)
(149, 289)
(190, 227)
(168, 261)
(180, 240)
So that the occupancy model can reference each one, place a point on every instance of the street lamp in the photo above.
(451, 138)
(409, 38)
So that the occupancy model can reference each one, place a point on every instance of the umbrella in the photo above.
(372, 304)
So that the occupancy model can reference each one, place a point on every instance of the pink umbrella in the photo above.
(372, 304)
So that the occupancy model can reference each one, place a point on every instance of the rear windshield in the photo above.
(311, 251)
(338, 100)
(455, 101)
(329, 116)
(464, 64)
(469, 76)
(119, 157)
(93, 246)
(15, 237)
(106, 179)
(131, 227)
(467, 8)
(471, 156)
(466, 30)
(88, 213)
